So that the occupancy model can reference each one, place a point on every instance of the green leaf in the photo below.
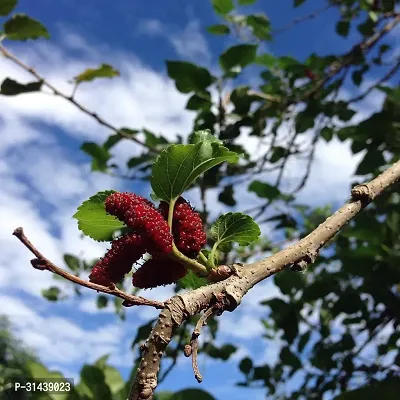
(6, 6)
(226, 196)
(304, 121)
(387, 389)
(222, 7)
(246, 365)
(297, 3)
(234, 227)
(178, 166)
(189, 77)
(104, 71)
(290, 359)
(112, 141)
(113, 379)
(22, 27)
(93, 219)
(278, 152)
(343, 28)
(201, 101)
(52, 293)
(260, 25)
(100, 155)
(102, 301)
(223, 352)
(143, 333)
(72, 262)
(303, 341)
(289, 282)
(264, 190)
(93, 382)
(326, 133)
(9, 87)
(238, 56)
(218, 29)
(191, 281)
(246, 2)
(203, 136)
(192, 394)
(371, 161)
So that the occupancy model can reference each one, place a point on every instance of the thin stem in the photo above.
(188, 262)
(212, 256)
(171, 213)
(42, 263)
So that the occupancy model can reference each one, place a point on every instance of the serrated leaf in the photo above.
(9, 87)
(264, 190)
(178, 166)
(222, 7)
(203, 136)
(72, 262)
(191, 281)
(104, 71)
(93, 219)
(22, 27)
(6, 6)
(238, 56)
(189, 77)
(234, 227)
(218, 29)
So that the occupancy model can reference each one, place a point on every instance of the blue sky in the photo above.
(44, 176)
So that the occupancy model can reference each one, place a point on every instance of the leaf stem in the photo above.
(212, 255)
(171, 213)
(188, 262)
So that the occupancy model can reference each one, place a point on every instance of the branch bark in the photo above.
(231, 291)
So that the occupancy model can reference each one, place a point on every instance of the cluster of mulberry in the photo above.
(151, 234)
(187, 227)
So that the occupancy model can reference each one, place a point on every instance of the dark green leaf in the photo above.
(343, 28)
(93, 381)
(6, 6)
(246, 365)
(297, 3)
(143, 333)
(72, 262)
(289, 282)
(219, 29)
(100, 155)
(278, 152)
(327, 133)
(189, 77)
(52, 293)
(304, 121)
(226, 196)
(178, 166)
(102, 301)
(367, 28)
(223, 352)
(372, 160)
(222, 7)
(264, 190)
(9, 87)
(387, 389)
(112, 141)
(260, 25)
(303, 341)
(104, 71)
(290, 359)
(22, 27)
(191, 281)
(93, 220)
(201, 101)
(234, 227)
(238, 56)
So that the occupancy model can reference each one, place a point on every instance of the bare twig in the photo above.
(42, 263)
(7, 54)
(230, 292)
(194, 343)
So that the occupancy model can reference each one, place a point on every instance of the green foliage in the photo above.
(104, 71)
(100, 155)
(222, 7)
(52, 294)
(6, 6)
(234, 228)
(189, 77)
(218, 29)
(224, 352)
(177, 167)
(264, 190)
(238, 56)
(72, 262)
(10, 87)
(93, 220)
(191, 281)
(22, 27)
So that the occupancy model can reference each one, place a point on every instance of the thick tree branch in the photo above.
(42, 263)
(231, 291)
(12, 57)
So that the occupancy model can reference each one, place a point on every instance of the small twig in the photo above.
(7, 54)
(42, 263)
(193, 347)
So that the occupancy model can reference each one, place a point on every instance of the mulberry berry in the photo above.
(140, 215)
(118, 260)
(158, 271)
(187, 227)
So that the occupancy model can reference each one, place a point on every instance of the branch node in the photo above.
(362, 193)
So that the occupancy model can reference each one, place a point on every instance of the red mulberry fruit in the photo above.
(140, 215)
(187, 227)
(118, 260)
(158, 271)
